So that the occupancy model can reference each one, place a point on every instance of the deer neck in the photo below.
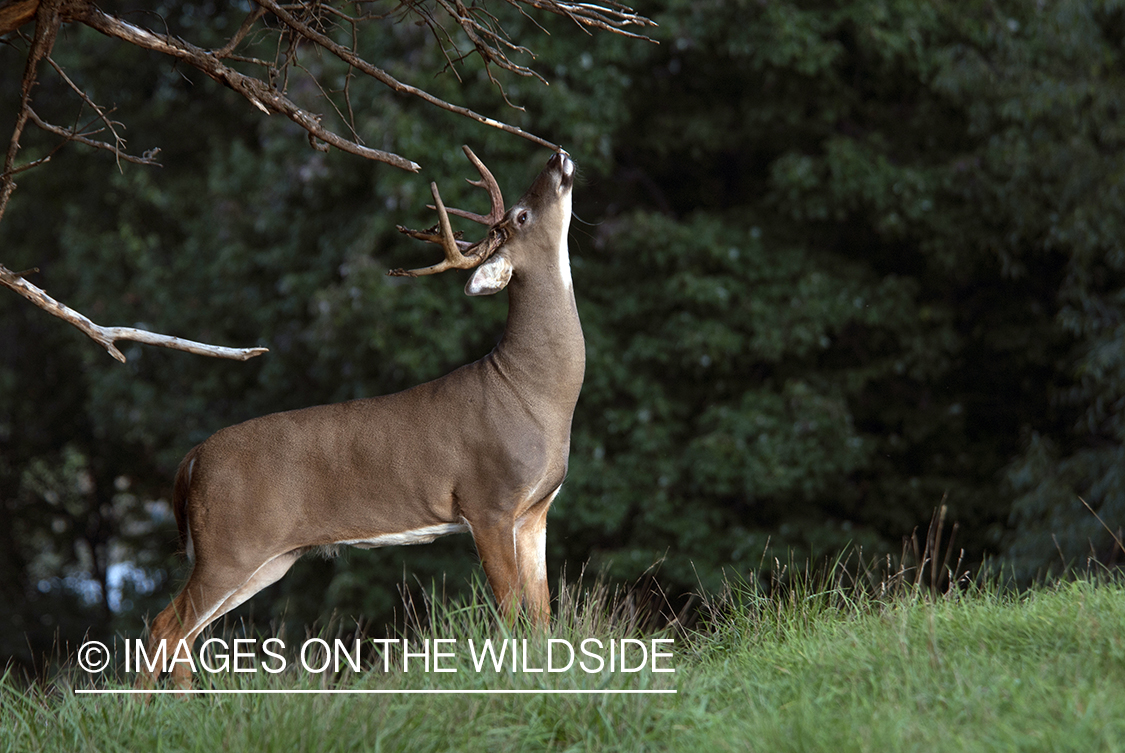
(542, 346)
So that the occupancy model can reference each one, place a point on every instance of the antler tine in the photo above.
(431, 237)
(488, 183)
(454, 259)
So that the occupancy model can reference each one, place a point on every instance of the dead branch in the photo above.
(76, 134)
(309, 21)
(349, 57)
(15, 13)
(118, 141)
(259, 94)
(248, 23)
(47, 21)
(106, 336)
(488, 39)
(607, 16)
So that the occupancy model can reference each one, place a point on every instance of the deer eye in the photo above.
(522, 218)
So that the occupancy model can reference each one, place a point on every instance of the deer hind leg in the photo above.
(209, 594)
(168, 629)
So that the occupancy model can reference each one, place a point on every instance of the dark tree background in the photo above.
(838, 264)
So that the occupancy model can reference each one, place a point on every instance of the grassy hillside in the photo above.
(812, 669)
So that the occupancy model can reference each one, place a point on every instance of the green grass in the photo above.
(825, 669)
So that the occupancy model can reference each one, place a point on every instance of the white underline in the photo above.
(275, 691)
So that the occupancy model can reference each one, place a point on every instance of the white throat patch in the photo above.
(564, 249)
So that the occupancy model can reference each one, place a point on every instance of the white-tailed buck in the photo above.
(481, 450)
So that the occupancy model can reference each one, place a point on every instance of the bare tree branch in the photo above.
(607, 16)
(311, 21)
(47, 20)
(106, 336)
(349, 57)
(491, 42)
(118, 141)
(75, 134)
(487, 38)
(15, 13)
(265, 98)
(247, 24)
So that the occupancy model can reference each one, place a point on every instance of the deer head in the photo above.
(535, 225)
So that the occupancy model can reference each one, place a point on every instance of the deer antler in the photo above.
(475, 253)
(488, 183)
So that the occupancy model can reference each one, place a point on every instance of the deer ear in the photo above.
(490, 277)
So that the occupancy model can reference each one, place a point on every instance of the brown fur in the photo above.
(180, 489)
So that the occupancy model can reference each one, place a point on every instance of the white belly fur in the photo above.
(404, 538)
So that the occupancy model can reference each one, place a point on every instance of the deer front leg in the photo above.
(513, 552)
(496, 546)
(531, 560)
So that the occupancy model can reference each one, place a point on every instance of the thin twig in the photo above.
(33, 164)
(71, 134)
(316, 82)
(484, 39)
(438, 30)
(247, 23)
(118, 141)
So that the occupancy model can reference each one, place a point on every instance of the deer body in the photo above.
(483, 449)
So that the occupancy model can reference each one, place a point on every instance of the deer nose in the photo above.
(562, 162)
